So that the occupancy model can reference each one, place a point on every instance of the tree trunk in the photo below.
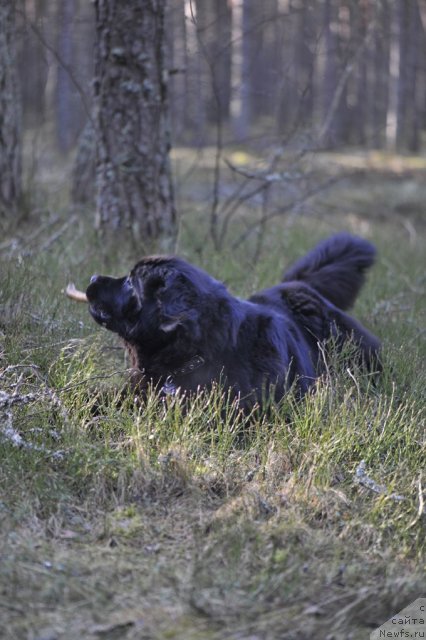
(177, 51)
(32, 64)
(332, 132)
(305, 61)
(358, 96)
(394, 53)
(65, 103)
(10, 115)
(83, 175)
(264, 69)
(244, 32)
(407, 133)
(380, 74)
(296, 72)
(214, 35)
(134, 187)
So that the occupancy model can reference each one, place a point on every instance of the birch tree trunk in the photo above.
(134, 186)
(10, 115)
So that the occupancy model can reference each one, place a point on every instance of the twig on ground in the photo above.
(362, 478)
(421, 510)
(8, 400)
(10, 434)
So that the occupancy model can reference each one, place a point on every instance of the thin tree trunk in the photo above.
(32, 64)
(380, 74)
(214, 43)
(243, 71)
(305, 57)
(83, 175)
(359, 112)
(408, 117)
(263, 69)
(177, 62)
(330, 137)
(394, 54)
(10, 115)
(134, 187)
(65, 130)
(195, 116)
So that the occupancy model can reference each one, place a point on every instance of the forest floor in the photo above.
(151, 523)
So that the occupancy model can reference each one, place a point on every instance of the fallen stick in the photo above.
(362, 478)
(72, 292)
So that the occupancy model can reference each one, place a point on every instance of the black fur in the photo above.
(335, 268)
(179, 323)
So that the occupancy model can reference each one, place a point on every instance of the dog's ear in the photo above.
(169, 290)
(154, 284)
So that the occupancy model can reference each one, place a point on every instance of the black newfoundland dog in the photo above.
(184, 330)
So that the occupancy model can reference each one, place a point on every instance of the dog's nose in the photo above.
(94, 278)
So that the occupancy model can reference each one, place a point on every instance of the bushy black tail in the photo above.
(335, 268)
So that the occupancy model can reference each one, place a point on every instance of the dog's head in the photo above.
(160, 298)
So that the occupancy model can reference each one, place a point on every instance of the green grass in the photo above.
(128, 521)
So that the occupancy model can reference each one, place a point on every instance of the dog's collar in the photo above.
(169, 387)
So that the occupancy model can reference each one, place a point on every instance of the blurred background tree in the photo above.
(255, 65)
(301, 75)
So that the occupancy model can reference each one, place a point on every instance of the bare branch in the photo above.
(281, 210)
